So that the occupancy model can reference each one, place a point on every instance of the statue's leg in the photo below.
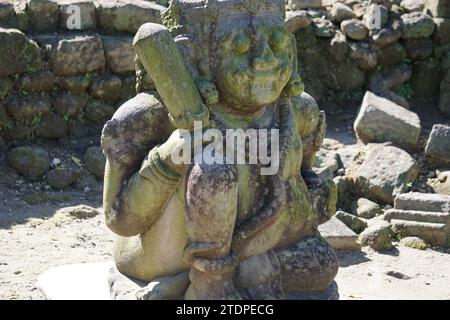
(309, 265)
(211, 206)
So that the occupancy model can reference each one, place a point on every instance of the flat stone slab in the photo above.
(86, 281)
(438, 146)
(338, 235)
(431, 202)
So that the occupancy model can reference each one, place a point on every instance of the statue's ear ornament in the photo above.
(208, 92)
(295, 86)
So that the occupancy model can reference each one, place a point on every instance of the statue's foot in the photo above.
(212, 286)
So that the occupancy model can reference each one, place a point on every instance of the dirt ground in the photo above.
(30, 242)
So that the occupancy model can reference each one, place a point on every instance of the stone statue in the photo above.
(223, 231)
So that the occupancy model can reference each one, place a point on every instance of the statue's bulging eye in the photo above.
(241, 43)
(278, 40)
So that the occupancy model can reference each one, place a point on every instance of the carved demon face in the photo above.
(254, 60)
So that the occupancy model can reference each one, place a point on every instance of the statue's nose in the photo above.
(264, 58)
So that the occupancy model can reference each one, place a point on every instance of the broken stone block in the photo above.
(385, 172)
(380, 120)
(432, 233)
(438, 146)
(338, 235)
(351, 221)
(19, 54)
(126, 15)
(119, 54)
(354, 29)
(428, 202)
(378, 237)
(30, 162)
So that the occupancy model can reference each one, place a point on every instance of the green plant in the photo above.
(405, 90)
(37, 118)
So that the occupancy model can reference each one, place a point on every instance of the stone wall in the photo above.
(399, 49)
(56, 81)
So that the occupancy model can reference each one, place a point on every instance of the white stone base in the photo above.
(87, 281)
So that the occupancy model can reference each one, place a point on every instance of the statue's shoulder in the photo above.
(136, 127)
(306, 112)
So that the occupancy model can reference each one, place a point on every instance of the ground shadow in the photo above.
(350, 258)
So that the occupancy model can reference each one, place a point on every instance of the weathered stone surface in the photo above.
(28, 107)
(392, 54)
(442, 32)
(419, 216)
(385, 81)
(431, 233)
(69, 282)
(363, 54)
(69, 105)
(338, 46)
(323, 28)
(389, 34)
(351, 221)
(77, 54)
(438, 146)
(297, 20)
(37, 82)
(43, 15)
(326, 163)
(386, 172)
(6, 13)
(63, 177)
(419, 49)
(106, 88)
(304, 4)
(349, 77)
(425, 79)
(423, 202)
(338, 235)
(75, 84)
(5, 87)
(417, 25)
(98, 112)
(52, 126)
(79, 212)
(95, 161)
(381, 120)
(128, 90)
(19, 54)
(341, 12)
(126, 15)
(377, 237)
(119, 54)
(30, 162)
(413, 5)
(88, 20)
(414, 242)
(438, 8)
(444, 97)
(354, 29)
(366, 209)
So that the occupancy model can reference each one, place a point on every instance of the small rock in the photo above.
(377, 237)
(417, 25)
(413, 5)
(297, 20)
(341, 12)
(351, 221)
(389, 34)
(398, 275)
(95, 161)
(66, 215)
(366, 209)
(414, 242)
(363, 54)
(30, 162)
(354, 29)
(61, 178)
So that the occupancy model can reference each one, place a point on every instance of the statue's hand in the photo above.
(177, 151)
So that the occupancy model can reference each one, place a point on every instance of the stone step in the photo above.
(432, 233)
(339, 236)
(419, 216)
(423, 202)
